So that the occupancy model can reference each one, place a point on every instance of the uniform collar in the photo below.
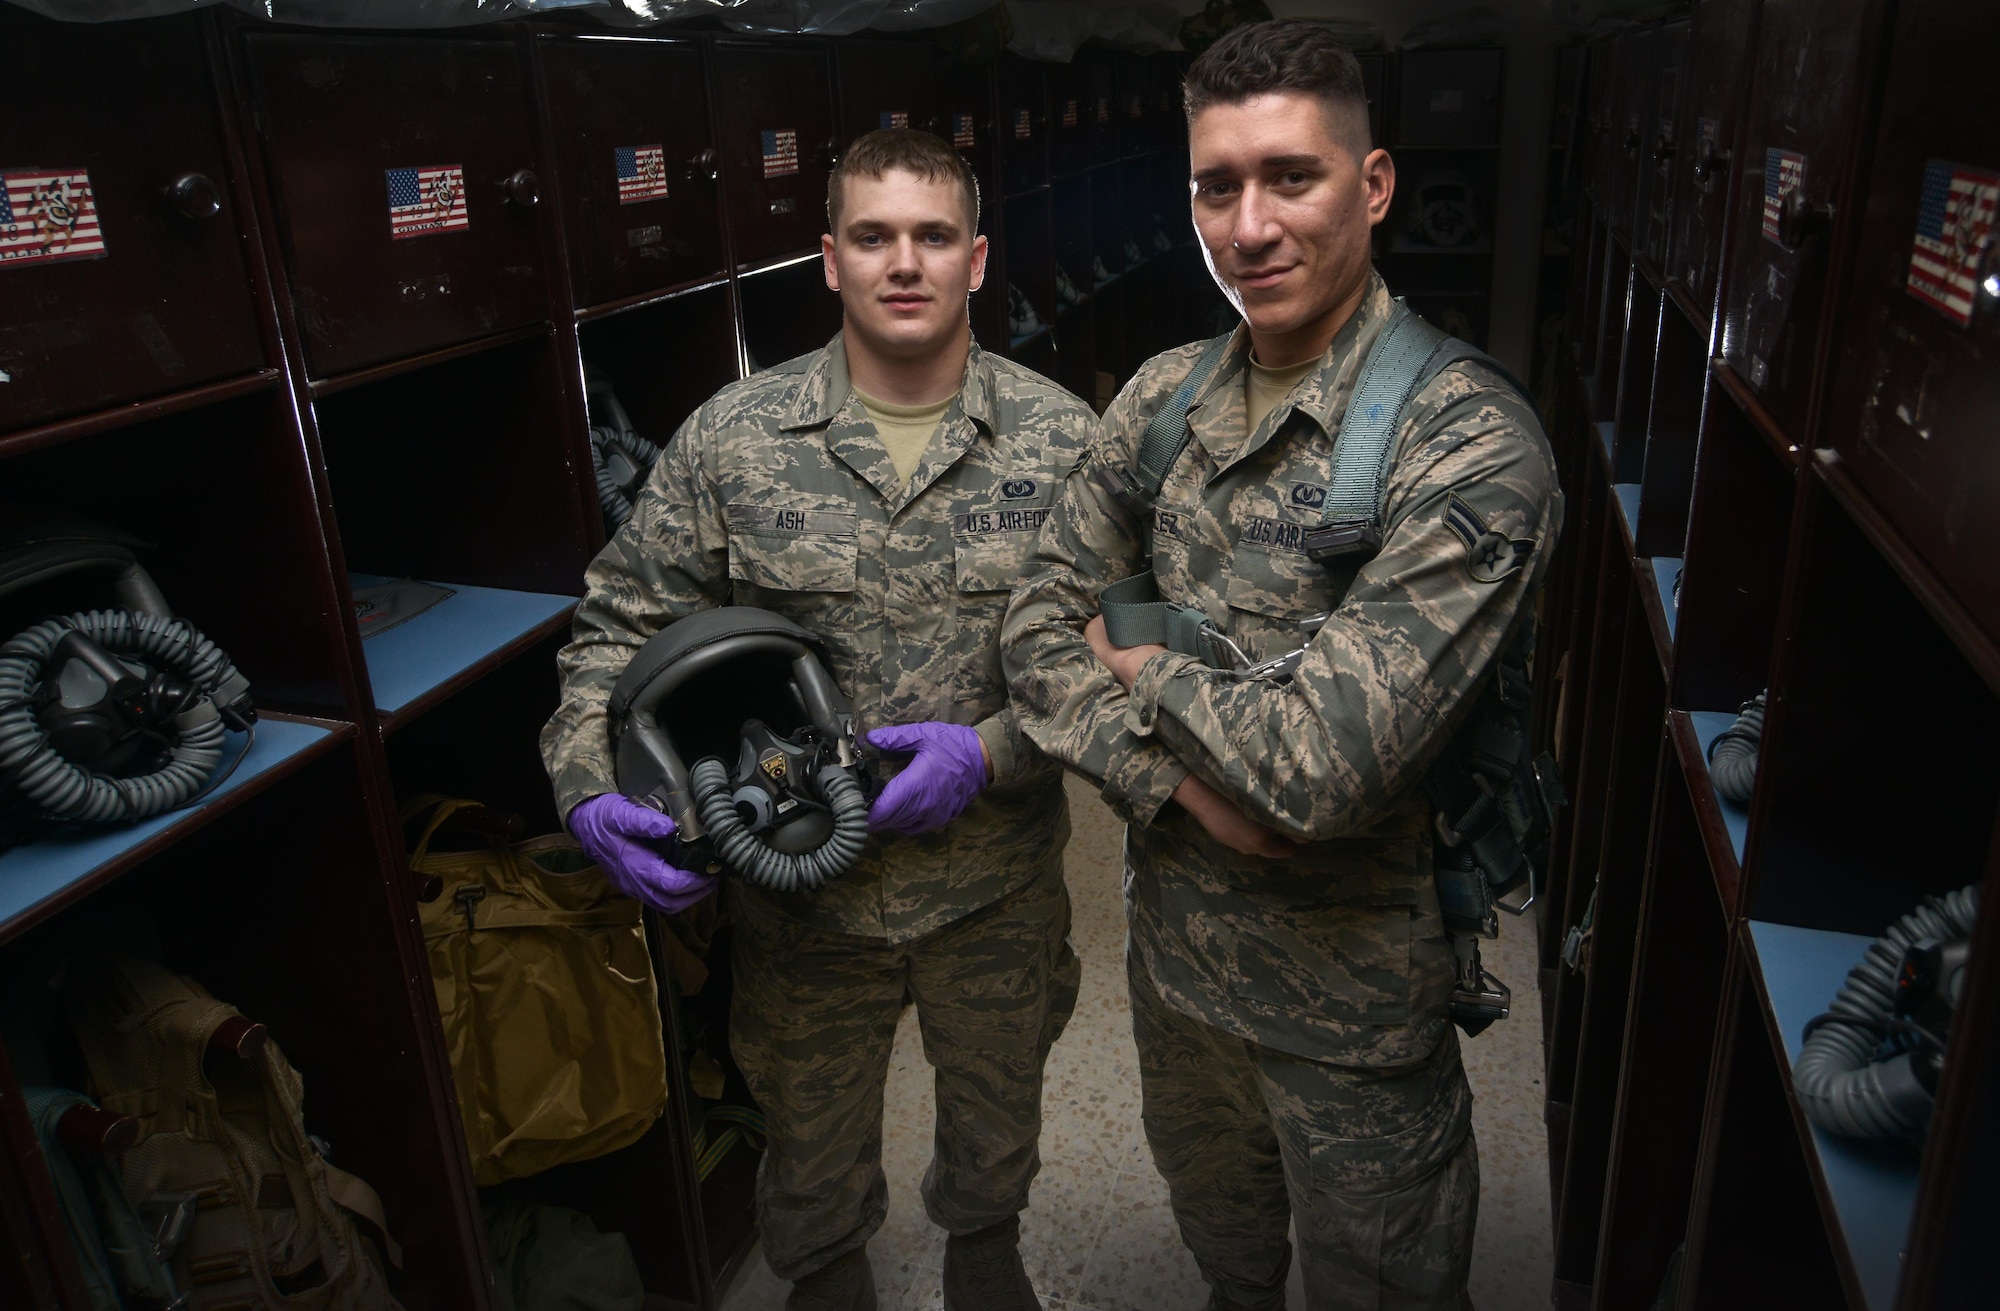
(1216, 415)
(826, 399)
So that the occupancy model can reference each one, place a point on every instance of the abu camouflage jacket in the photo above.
(778, 493)
(1338, 952)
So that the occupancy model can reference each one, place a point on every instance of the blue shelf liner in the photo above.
(1665, 569)
(452, 636)
(1873, 1185)
(31, 874)
(1607, 432)
(1708, 726)
(1628, 502)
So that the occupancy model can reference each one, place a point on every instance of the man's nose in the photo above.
(1256, 225)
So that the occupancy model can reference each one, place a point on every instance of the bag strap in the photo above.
(443, 809)
(352, 1194)
(1167, 433)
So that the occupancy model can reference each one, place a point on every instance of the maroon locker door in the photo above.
(122, 270)
(1024, 124)
(1661, 142)
(887, 84)
(403, 171)
(777, 145)
(1917, 384)
(636, 164)
(1711, 112)
(1805, 88)
(1631, 106)
(1448, 98)
(1069, 117)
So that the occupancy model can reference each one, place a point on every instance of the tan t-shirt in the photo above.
(905, 429)
(1265, 389)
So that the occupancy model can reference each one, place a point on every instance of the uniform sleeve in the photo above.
(1472, 514)
(669, 560)
(1068, 703)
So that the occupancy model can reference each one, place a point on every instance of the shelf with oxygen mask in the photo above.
(1867, 1067)
(452, 628)
(115, 723)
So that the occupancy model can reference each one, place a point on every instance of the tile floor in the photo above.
(1098, 1234)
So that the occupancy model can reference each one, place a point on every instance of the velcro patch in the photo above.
(1307, 496)
(1019, 489)
(1273, 534)
(979, 523)
(781, 519)
(1489, 556)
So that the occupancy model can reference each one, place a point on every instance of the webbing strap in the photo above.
(1134, 615)
(1396, 367)
(1166, 432)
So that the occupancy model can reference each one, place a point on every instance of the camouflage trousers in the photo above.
(811, 1024)
(1377, 1166)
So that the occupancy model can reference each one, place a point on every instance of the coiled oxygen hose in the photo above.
(65, 791)
(1841, 1085)
(781, 871)
(613, 495)
(1732, 757)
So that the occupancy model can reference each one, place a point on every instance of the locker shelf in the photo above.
(1872, 1186)
(1628, 504)
(39, 877)
(433, 654)
(1666, 569)
(1708, 726)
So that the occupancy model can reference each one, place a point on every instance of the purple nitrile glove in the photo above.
(948, 772)
(625, 839)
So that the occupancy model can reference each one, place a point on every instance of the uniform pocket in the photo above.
(1280, 584)
(1347, 964)
(789, 549)
(986, 567)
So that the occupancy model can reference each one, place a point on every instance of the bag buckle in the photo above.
(1280, 669)
(1330, 541)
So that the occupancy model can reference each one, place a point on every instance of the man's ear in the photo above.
(826, 258)
(978, 262)
(1378, 175)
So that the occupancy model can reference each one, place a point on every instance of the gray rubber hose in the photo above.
(1841, 1085)
(62, 790)
(1732, 757)
(781, 871)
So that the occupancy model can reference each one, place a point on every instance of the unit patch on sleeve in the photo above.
(1489, 556)
(1954, 230)
(781, 152)
(642, 173)
(1784, 173)
(427, 200)
(46, 215)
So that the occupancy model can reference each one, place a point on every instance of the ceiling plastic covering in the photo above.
(826, 17)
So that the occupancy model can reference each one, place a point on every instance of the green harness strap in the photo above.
(1408, 354)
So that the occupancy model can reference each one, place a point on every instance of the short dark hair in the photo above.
(1287, 54)
(875, 153)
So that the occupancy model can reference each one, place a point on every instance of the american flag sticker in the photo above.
(1954, 230)
(46, 215)
(781, 153)
(1069, 113)
(895, 118)
(1104, 109)
(1784, 173)
(962, 135)
(427, 200)
(642, 173)
(1024, 126)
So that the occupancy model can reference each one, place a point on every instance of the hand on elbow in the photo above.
(1223, 821)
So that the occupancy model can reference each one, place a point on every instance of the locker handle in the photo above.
(1705, 163)
(522, 188)
(1800, 219)
(194, 196)
(1986, 291)
(701, 165)
(1664, 149)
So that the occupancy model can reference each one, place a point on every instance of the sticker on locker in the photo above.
(427, 199)
(642, 173)
(48, 215)
(1954, 232)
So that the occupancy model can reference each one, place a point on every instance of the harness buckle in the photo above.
(1330, 541)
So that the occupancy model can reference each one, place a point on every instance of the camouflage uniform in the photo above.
(1291, 1013)
(777, 493)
